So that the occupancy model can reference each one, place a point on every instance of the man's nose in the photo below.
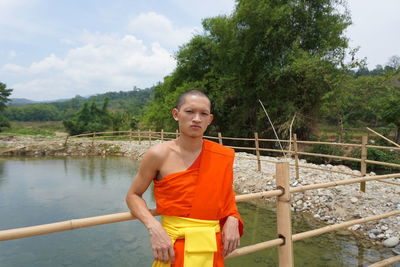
(197, 117)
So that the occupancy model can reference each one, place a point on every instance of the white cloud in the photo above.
(102, 63)
(159, 28)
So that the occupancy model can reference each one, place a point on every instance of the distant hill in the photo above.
(131, 102)
(20, 102)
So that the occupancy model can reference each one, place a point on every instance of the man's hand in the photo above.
(230, 235)
(161, 244)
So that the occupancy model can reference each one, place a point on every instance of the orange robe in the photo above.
(204, 191)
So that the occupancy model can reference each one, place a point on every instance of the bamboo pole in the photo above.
(386, 262)
(93, 137)
(330, 228)
(296, 157)
(162, 135)
(342, 182)
(149, 133)
(329, 156)
(258, 195)
(257, 151)
(364, 151)
(256, 247)
(66, 225)
(275, 150)
(384, 147)
(220, 138)
(176, 134)
(66, 141)
(283, 215)
(130, 134)
(383, 163)
(138, 133)
(387, 139)
(237, 138)
(328, 143)
(211, 137)
(274, 140)
(300, 236)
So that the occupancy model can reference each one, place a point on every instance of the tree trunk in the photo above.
(397, 138)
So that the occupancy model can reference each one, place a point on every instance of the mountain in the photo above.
(20, 102)
(130, 102)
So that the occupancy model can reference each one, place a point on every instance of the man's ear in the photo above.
(175, 113)
(211, 119)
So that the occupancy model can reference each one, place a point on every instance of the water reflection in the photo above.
(3, 176)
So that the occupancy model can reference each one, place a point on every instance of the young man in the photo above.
(193, 190)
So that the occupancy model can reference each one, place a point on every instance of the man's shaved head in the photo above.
(183, 96)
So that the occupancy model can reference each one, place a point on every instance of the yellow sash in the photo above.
(200, 240)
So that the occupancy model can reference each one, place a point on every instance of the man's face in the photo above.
(193, 116)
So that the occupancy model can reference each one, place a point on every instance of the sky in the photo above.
(59, 49)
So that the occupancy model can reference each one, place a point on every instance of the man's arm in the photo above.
(160, 240)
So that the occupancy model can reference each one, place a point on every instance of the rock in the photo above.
(353, 200)
(372, 236)
(396, 250)
(391, 242)
(375, 231)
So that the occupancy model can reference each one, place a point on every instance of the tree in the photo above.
(285, 53)
(89, 119)
(4, 94)
(394, 62)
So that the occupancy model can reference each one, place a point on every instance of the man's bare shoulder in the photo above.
(159, 151)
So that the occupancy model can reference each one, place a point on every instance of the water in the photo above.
(44, 190)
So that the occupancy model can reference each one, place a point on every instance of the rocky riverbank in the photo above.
(331, 205)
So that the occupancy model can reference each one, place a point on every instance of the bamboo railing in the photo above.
(257, 149)
(283, 199)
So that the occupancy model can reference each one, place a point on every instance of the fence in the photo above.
(284, 239)
(293, 149)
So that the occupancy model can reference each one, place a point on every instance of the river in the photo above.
(45, 190)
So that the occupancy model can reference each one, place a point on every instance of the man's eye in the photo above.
(189, 111)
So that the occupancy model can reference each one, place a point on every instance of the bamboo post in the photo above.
(283, 215)
(177, 133)
(130, 134)
(94, 135)
(220, 138)
(66, 141)
(140, 139)
(257, 151)
(296, 157)
(162, 135)
(364, 153)
(149, 137)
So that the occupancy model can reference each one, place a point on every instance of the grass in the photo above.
(45, 128)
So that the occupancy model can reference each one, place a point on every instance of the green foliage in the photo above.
(131, 102)
(324, 149)
(34, 112)
(4, 98)
(371, 100)
(377, 155)
(89, 119)
(283, 53)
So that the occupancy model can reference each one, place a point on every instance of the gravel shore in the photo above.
(331, 205)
